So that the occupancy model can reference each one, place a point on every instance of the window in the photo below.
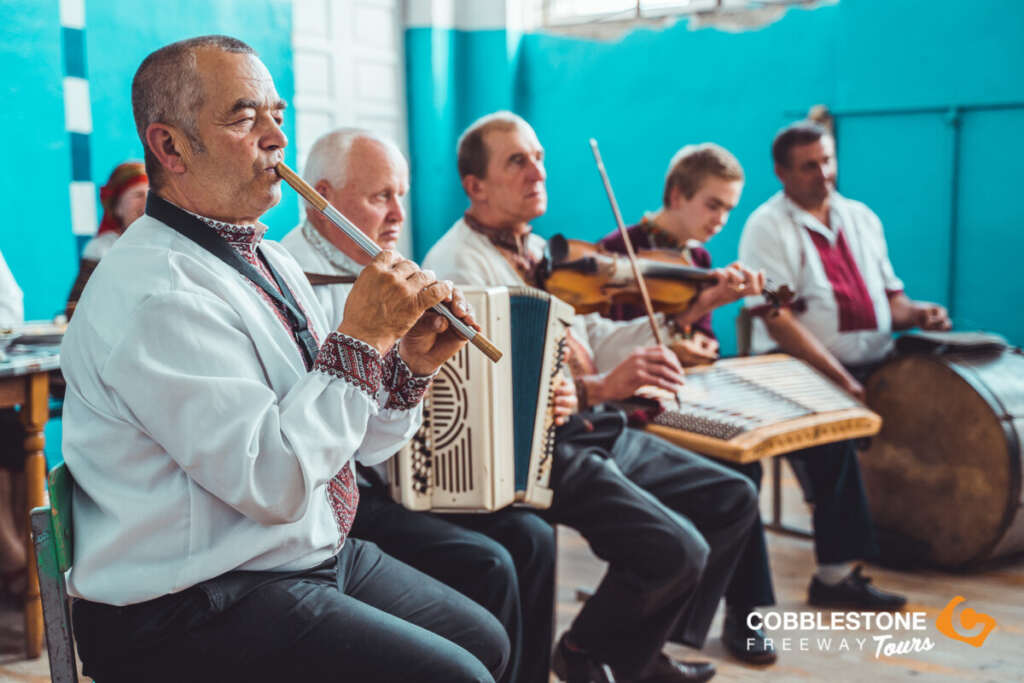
(557, 13)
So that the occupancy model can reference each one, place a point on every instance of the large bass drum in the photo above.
(946, 467)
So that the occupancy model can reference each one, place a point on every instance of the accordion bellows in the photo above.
(487, 439)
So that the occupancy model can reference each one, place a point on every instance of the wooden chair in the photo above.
(54, 543)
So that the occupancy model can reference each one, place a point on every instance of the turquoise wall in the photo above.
(652, 91)
(36, 237)
(452, 78)
(35, 234)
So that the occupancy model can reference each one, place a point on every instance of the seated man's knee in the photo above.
(692, 553)
(746, 496)
(682, 553)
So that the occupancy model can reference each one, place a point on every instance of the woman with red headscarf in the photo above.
(124, 200)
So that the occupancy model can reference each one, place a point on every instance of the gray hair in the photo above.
(329, 157)
(167, 89)
(471, 151)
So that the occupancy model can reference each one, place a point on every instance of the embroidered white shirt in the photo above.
(316, 255)
(199, 442)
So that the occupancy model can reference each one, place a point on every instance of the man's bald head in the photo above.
(334, 154)
(365, 177)
(167, 89)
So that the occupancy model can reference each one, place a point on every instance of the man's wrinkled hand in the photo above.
(388, 298)
(432, 341)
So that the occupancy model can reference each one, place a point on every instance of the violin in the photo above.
(592, 279)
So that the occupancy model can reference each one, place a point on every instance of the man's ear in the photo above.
(323, 187)
(170, 146)
(474, 188)
(674, 195)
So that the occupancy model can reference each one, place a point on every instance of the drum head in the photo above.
(940, 470)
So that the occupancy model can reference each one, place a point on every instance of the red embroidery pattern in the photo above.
(244, 239)
(343, 495)
(351, 360)
(856, 310)
(406, 388)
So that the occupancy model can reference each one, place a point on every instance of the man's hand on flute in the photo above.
(391, 299)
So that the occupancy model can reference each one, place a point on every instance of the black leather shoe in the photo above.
(855, 590)
(577, 666)
(668, 670)
(744, 642)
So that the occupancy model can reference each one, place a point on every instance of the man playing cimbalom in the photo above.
(366, 177)
(213, 417)
(702, 186)
(831, 250)
(501, 165)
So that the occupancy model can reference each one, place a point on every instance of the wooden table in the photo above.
(25, 382)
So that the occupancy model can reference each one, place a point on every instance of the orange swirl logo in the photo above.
(969, 620)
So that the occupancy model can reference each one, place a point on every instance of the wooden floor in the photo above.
(998, 592)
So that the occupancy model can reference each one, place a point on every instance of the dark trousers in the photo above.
(530, 541)
(481, 556)
(362, 616)
(751, 584)
(712, 503)
(830, 478)
(670, 524)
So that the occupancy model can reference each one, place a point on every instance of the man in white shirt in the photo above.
(212, 435)
(502, 169)
(831, 250)
(366, 177)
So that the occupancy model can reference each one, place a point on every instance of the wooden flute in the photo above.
(318, 201)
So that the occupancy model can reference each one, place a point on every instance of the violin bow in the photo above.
(641, 283)
(477, 339)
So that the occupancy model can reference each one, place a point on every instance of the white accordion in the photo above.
(487, 439)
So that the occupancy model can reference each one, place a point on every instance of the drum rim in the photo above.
(1013, 445)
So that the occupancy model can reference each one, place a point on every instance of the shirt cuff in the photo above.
(405, 389)
(352, 360)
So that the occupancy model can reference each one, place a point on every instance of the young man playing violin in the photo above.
(702, 185)
(501, 164)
